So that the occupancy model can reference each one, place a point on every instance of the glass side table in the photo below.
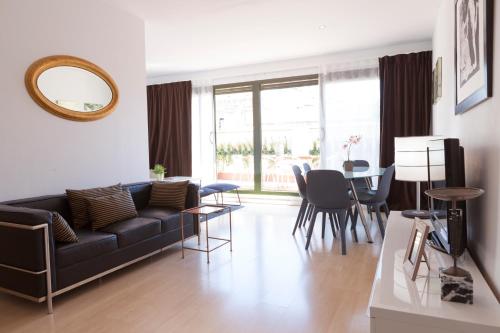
(205, 211)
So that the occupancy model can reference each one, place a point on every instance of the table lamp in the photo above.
(411, 161)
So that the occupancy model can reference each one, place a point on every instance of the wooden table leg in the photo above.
(230, 231)
(182, 234)
(208, 249)
(199, 228)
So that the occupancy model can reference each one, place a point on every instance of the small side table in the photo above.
(205, 211)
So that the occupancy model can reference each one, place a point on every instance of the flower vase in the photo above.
(348, 165)
(160, 176)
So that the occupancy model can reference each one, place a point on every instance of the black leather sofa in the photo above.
(97, 252)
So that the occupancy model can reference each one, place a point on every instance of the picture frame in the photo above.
(439, 78)
(434, 99)
(473, 53)
(415, 250)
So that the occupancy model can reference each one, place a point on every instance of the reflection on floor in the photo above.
(269, 283)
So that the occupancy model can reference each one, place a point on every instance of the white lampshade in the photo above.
(410, 158)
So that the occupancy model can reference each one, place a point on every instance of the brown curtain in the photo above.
(169, 124)
(405, 110)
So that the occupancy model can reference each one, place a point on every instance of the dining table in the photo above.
(366, 173)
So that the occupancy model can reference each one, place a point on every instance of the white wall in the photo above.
(43, 154)
(300, 66)
(478, 131)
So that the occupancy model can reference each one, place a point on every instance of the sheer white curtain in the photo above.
(350, 105)
(203, 146)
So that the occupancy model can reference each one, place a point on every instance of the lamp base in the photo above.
(412, 213)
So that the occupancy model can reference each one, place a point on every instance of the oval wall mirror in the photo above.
(71, 88)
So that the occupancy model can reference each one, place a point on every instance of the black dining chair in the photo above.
(377, 199)
(362, 184)
(359, 183)
(327, 191)
(301, 184)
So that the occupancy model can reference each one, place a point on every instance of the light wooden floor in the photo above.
(268, 284)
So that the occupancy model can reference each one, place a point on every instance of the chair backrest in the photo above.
(307, 167)
(384, 186)
(301, 183)
(327, 189)
(358, 182)
(360, 163)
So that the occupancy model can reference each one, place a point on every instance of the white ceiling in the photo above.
(196, 35)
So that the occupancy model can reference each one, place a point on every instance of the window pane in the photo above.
(290, 134)
(352, 107)
(234, 128)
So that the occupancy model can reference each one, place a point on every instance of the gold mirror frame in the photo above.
(43, 64)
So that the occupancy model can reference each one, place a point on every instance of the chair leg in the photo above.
(370, 210)
(307, 214)
(311, 227)
(302, 218)
(330, 215)
(299, 216)
(386, 209)
(310, 214)
(356, 214)
(380, 221)
(353, 225)
(342, 218)
(336, 221)
(323, 224)
(238, 194)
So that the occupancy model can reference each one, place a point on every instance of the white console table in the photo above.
(398, 304)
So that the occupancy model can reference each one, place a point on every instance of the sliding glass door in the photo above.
(234, 136)
(265, 127)
(290, 133)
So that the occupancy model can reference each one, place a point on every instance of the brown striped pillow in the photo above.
(61, 229)
(109, 209)
(169, 194)
(78, 202)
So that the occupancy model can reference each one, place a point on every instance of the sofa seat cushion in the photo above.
(90, 244)
(134, 230)
(170, 218)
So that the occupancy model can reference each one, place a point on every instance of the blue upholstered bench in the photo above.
(219, 188)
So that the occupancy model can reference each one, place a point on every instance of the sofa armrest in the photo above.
(25, 249)
(192, 196)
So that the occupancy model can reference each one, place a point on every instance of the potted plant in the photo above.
(159, 171)
(353, 140)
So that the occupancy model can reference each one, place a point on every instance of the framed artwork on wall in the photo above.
(473, 52)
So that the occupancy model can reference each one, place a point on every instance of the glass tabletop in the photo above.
(205, 209)
(363, 172)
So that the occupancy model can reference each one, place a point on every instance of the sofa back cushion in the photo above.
(109, 209)
(169, 194)
(140, 193)
(78, 202)
(51, 203)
